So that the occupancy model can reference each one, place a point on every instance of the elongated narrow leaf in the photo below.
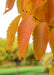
(22, 4)
(40, 39)
(19, 6)
(9, 5)
(51, 72)
(52, 41)
(24, 31)
(29, 6)
(11, 32)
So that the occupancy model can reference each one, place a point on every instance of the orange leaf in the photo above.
(22, 3)
(51, 10)
(24, 31)
(9, 5)
(40, 39)
(36, 3)
(51, 72)
(45, 12)
(39, 13)
(11, 32)
(52, 41)
(25, 52)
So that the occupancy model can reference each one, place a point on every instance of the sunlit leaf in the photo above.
(11, 32)
(50, 9)
(9, 5)
(32, 5)
(51, 72)
(25, 52)
(24, 31)
(45, 12)
(52, 41)
(39, 13)
(40, 39)
(19, 6)
(36, 3)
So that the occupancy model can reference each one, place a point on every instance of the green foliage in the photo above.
(3, 44)
(12, 55)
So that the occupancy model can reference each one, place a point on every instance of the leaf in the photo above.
(32, 5)
(29, 7)
(51, 72)
(50, 10)
(11, 32)
(24, 31)
(36, 3)
(9, 5)
(39, 13)
(40, 39)
(52, 41)
(25, 52)
(19, 6)
(45, 12)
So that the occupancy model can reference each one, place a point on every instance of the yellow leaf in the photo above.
(51, 72)
(32, 5)
(19, 6)
(11, 32)
(29, 7)
(40, 39)
(52, 41)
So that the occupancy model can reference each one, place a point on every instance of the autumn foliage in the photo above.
(38, 20)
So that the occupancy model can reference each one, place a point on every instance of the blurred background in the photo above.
(9, 63)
